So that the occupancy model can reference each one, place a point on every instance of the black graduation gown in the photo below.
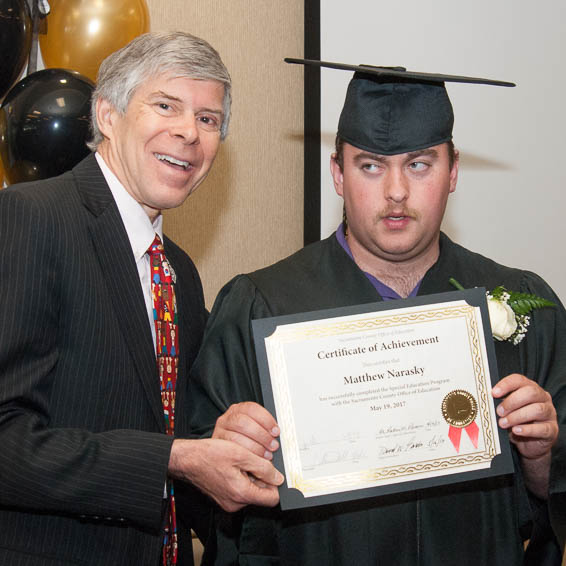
(475, 523)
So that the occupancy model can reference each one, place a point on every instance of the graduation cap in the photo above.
(389, 110)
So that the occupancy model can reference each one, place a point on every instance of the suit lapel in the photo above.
(116, 259)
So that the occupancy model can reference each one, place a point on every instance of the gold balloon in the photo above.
(81, 33)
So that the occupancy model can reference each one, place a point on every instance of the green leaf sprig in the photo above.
(521, 303)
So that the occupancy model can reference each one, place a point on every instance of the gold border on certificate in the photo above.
(478, 389)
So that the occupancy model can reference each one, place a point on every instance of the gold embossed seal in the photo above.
(459, 408)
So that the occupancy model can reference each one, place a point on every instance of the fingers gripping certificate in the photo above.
(393, 399)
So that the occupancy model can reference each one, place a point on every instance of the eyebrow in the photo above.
(367, 155)
(161, 94)
(212, 111)
(428, 152)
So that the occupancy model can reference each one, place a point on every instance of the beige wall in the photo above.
(249, 212)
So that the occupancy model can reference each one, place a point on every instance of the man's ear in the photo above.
(337, 175)
(454, 171)
(105, 113)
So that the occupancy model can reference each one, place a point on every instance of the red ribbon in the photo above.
(455, 434)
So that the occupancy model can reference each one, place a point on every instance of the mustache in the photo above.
(396, 212)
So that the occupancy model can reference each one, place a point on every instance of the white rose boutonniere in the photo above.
(502, 318)
(509, 312)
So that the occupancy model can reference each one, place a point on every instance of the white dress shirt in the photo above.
(141, 233)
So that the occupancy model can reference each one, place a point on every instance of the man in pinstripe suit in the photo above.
(83, 455)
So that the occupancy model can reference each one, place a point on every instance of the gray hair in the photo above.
(179, 53)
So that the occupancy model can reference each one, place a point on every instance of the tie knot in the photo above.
(161, 270)
(156, 246)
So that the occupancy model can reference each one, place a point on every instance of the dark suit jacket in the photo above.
(83, 454)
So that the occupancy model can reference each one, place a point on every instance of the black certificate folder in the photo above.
(382, 398)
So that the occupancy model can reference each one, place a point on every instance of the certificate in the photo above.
(382, 398)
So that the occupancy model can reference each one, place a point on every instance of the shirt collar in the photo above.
(141, 232)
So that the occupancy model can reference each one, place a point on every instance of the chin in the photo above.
(397, 248)
(174, 196)
(171, 204)
(399, 252)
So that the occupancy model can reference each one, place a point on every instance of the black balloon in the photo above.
(15, 41)
(45, 124)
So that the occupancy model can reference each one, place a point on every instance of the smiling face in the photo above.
(395, 204)
(164, 145)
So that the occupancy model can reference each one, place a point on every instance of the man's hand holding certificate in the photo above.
(371, 402)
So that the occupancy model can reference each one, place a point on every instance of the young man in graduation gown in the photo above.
(395, 166)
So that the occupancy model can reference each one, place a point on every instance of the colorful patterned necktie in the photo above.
(167, 351)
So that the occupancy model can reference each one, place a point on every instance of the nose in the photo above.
(396, 185)
(185, 126)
